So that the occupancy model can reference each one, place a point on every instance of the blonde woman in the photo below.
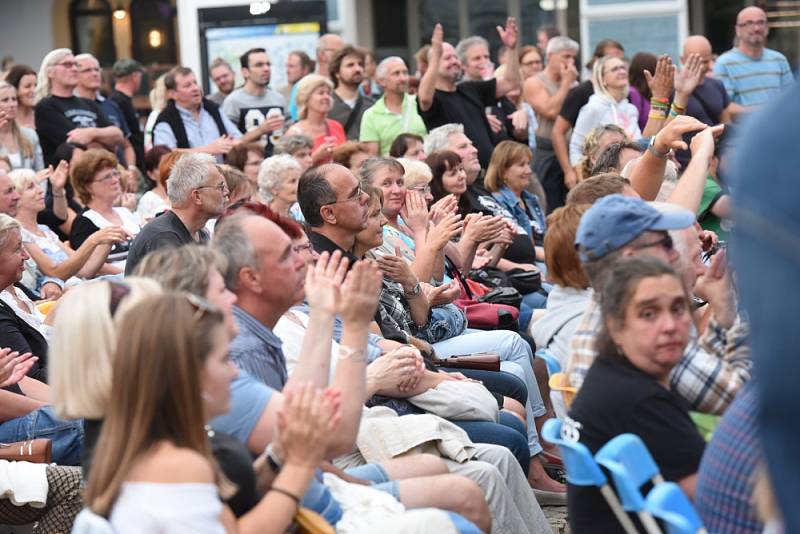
(608, 105)
(158, 100)
(314, 100)
(18, 143)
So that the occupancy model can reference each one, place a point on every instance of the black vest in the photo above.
(172, 116)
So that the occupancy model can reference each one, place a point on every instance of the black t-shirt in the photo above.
(616, 398)
(132, 120)
(577, 97)
(166, 230)
(466, 105)
(56, 116)
(83, 228)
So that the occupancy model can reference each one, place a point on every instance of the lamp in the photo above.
(154, 39)
(119, 12)
(259, 8)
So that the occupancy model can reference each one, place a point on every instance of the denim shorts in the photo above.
(376, 474)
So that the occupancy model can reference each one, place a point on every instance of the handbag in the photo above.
(489, 276)
(525, 281)
(483, 361)
(503, 295)
(488, 316)
(37, 451)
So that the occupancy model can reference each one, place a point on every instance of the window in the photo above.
(92, 31)
(153, 32)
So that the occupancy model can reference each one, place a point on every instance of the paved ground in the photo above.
(557, 515)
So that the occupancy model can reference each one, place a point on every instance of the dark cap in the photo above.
(123, 67)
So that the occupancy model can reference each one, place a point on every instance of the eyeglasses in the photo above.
(665, 242)
(113, 175)
(222, 187)
(424, 189)
(356, 195)
(753, 24)
(305, 247)
(67, 64)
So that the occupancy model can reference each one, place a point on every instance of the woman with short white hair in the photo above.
(277, 184)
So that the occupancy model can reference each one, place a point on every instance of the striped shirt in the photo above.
(749, 81)
(713, 368)
(257, 351)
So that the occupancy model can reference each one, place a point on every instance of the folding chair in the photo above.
(558, 382)
(582, 470)
(550, 359)
(667, 502)
(631, 466)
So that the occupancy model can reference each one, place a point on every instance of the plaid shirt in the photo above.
(709, 375)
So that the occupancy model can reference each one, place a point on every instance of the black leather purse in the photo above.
(525, 281)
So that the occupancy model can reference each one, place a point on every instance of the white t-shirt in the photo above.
(130, 222)
(150, 205)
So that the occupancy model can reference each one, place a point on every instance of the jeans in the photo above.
(66, 435)
(446, 322)
(516, 358)
(507, 432)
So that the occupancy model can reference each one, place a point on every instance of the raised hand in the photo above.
(306, 423)
(568, 74)
(14, 366)
(704, 143)
(441, 234)
(58, 177)
(441, 295)
(444, 206)
(662, 82)
(437, 38)
(689, 77)
(360, 292)
(415, 211)
(510, 34)
(324, 281)
(395, 268)
(671, 136)
(715, 287)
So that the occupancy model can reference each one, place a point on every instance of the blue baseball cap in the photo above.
(615, 220)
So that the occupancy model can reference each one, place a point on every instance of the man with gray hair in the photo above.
(198, 193)
(473, 52)
(394, 113)
(545, 93)
(442, 100)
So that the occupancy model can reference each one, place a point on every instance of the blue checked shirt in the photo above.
(713, 368)
(257, 351)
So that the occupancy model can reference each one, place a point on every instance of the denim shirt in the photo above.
(257, 351)
(534, 228)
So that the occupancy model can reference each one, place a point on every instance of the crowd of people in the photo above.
(321, 304)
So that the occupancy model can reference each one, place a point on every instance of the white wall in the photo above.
(26, 30)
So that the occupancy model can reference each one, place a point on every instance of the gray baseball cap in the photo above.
(616, 220)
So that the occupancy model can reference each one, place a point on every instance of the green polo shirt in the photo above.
(381, 125)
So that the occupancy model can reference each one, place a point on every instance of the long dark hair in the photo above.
(440, 162)
(642, 61)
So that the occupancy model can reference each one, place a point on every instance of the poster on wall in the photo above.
(277, 39)
(228, 32)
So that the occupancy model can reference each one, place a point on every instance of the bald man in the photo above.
(327, 46)
(710, 102)
(751, 72)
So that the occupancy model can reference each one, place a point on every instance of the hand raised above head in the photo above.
(510, 34)
(663, 80)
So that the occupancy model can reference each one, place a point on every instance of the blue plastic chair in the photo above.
(582, 470)
(667, 502)
(631, 466)
(549, 358)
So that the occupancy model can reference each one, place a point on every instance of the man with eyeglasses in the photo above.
(334, 206)
(198, 193)
(751, 72)
(63, 117)
(715, 364)
(89, 78)
(254, 108)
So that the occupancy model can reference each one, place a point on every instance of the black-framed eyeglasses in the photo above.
(665, 242)
(222, 187)
(355, 195)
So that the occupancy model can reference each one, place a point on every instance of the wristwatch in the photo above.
(416, 290)
(272, 460)
(654, 151)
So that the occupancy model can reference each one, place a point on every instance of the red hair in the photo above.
(289, 226)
